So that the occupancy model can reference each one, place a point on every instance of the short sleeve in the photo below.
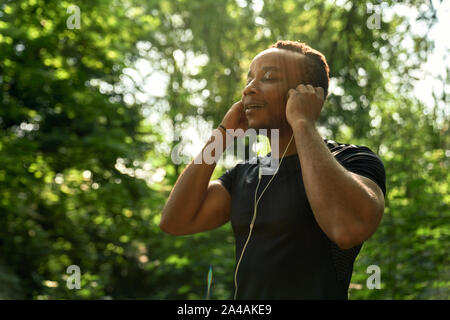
(363, 161)
(227, 179)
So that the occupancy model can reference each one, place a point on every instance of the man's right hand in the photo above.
(235, 118)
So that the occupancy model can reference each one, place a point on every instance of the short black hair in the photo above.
(317, 72)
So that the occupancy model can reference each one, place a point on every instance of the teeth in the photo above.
(253, 106)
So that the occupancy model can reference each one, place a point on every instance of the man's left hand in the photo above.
(304, 103)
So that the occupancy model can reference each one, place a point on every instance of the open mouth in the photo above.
(252, 107)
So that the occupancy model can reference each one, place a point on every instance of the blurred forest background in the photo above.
(90, 113)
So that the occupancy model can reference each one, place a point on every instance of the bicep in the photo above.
(215, 210)
(376, 195)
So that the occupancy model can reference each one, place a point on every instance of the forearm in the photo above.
(340, 203)
(190, 189)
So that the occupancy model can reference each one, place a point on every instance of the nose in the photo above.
(250, 88)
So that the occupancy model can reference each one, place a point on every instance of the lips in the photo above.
(253, 106)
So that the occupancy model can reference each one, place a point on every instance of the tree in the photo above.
(85, 168)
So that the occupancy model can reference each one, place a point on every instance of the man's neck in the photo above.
(283, 142)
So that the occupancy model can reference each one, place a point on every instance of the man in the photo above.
(300, 239)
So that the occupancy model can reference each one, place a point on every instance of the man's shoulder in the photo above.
(360, 160)
(339, 148)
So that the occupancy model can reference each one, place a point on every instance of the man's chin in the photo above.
(258, 125)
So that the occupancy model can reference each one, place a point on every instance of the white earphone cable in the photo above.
(254, 213)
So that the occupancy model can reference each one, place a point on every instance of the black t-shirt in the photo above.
(288, 255)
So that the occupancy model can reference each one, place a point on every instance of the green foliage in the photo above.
(84, 172)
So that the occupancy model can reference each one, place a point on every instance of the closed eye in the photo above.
(264, 79)
(268, 76)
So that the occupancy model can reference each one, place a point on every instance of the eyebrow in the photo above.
(266, 68)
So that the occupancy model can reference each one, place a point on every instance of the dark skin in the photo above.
(269, 79)
(347, 207)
